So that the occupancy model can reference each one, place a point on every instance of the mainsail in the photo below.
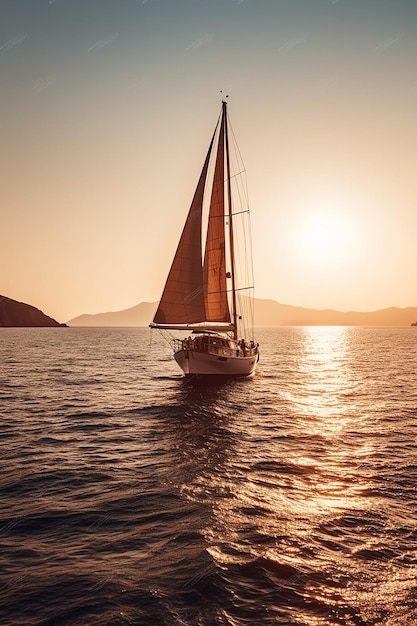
(196, 292)
(214, 269)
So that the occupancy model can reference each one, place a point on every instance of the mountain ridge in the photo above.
(267, 313)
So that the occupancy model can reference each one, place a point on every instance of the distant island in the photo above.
(267, 313)
(19, 314)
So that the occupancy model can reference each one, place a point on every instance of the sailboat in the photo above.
(209, 289)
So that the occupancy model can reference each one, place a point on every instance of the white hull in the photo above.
(194, 362)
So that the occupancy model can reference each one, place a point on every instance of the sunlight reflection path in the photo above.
(299, 506)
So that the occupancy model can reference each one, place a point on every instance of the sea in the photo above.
(132, 496)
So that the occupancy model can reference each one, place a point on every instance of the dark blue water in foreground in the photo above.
(128, 496)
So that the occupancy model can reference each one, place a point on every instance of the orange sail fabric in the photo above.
(214, 269)
(182, 301)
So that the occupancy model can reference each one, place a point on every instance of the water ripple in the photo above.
(133, 497)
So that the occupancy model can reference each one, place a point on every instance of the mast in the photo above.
(229, 204)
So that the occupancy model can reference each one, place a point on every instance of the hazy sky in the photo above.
(107, 109)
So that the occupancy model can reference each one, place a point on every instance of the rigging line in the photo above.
(229, 290)
(235, 142)
(242, 288)
(237, 174)
(212, 217)
(239, 160)
(240, 212)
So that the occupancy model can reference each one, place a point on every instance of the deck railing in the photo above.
(238, 349)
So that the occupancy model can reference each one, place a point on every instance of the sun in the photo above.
(324, 237)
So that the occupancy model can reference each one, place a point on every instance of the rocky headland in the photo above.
(14, 313)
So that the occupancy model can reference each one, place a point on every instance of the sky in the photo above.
(106, 111)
